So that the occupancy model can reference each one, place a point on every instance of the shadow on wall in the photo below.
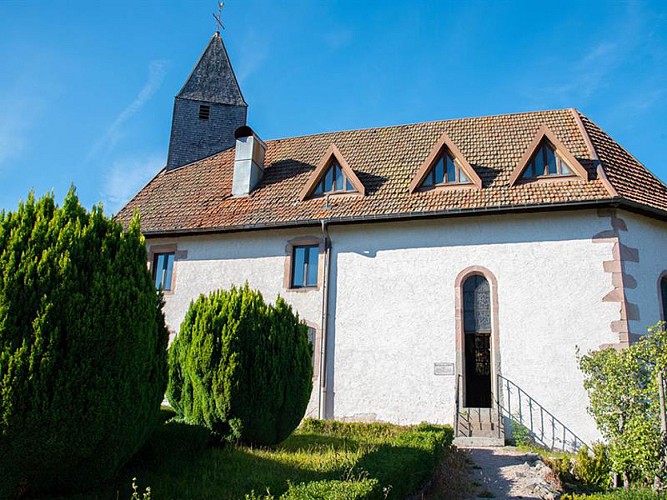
(528, 420)
(367, 239)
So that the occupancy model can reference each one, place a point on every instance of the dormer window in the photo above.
(334, 181)
(545, 162)
(445, 171)
(332, 175)
(445, 168)
(546, 159)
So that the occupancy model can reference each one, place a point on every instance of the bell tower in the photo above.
(208, 109)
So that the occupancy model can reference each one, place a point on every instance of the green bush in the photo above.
(82, 346)
(592, 468)
(340, 490)
(623, 392)
(240, 367)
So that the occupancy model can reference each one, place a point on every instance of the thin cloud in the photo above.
(646, 100)
(339, 38)
(591, 71)
(125, 177)
(588, 74)
(253, 51)
(19, 112)
(13, 127)
(156, 72)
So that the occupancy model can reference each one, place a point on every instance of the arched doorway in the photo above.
(477, 341)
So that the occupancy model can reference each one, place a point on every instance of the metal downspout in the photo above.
(323, 389)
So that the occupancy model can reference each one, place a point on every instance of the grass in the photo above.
(178, 461)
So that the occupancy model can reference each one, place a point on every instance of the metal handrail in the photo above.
(498, 411)
(549, 440)
(458, 404)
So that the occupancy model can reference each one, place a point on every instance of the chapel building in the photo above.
(449, 271)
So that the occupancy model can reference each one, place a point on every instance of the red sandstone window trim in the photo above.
(332, 154)
(153, 252)
(542, 134)
(443, 146)
(289, 262)
(460, 330)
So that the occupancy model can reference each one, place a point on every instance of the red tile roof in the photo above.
(197, 197)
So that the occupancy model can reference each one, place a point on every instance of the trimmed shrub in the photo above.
(241, 367)
(401, 459)
(341, 490)
(82, 346)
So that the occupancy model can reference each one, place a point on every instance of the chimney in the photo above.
(248, 161)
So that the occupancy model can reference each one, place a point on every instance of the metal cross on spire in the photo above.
(218, 18)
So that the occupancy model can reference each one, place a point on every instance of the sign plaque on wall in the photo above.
(443, 369)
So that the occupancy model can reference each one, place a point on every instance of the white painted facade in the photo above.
(649, 237)
(392, 301)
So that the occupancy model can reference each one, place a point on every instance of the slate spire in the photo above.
(213, 78)
(208, 109)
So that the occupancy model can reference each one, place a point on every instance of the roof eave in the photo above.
(461, 212)
(643, 209)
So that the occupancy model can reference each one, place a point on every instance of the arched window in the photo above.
(477, 338)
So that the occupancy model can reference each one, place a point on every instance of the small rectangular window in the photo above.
(304, 266)
(204, 112)
(163, 268)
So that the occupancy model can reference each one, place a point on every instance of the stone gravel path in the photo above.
(509, 473)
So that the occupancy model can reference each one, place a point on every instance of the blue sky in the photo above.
(86, 87)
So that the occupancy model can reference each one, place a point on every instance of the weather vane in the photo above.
(218, 17)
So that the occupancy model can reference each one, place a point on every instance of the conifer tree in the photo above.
(82, 346)
(241, 367)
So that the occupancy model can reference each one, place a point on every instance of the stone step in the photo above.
(478, 425)
(478, 433)
(479, 413)
(477, 442)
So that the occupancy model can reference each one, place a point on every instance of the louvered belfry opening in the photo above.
(207, 110)
(477, 329)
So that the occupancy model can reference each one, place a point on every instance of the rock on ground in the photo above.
(510, 473)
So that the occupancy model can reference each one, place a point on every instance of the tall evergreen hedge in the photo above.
(241, 367)
(82, 346)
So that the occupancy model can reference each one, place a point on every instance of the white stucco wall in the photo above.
(649, 237)
(395, 311)
(393, 305)
(220, 261)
